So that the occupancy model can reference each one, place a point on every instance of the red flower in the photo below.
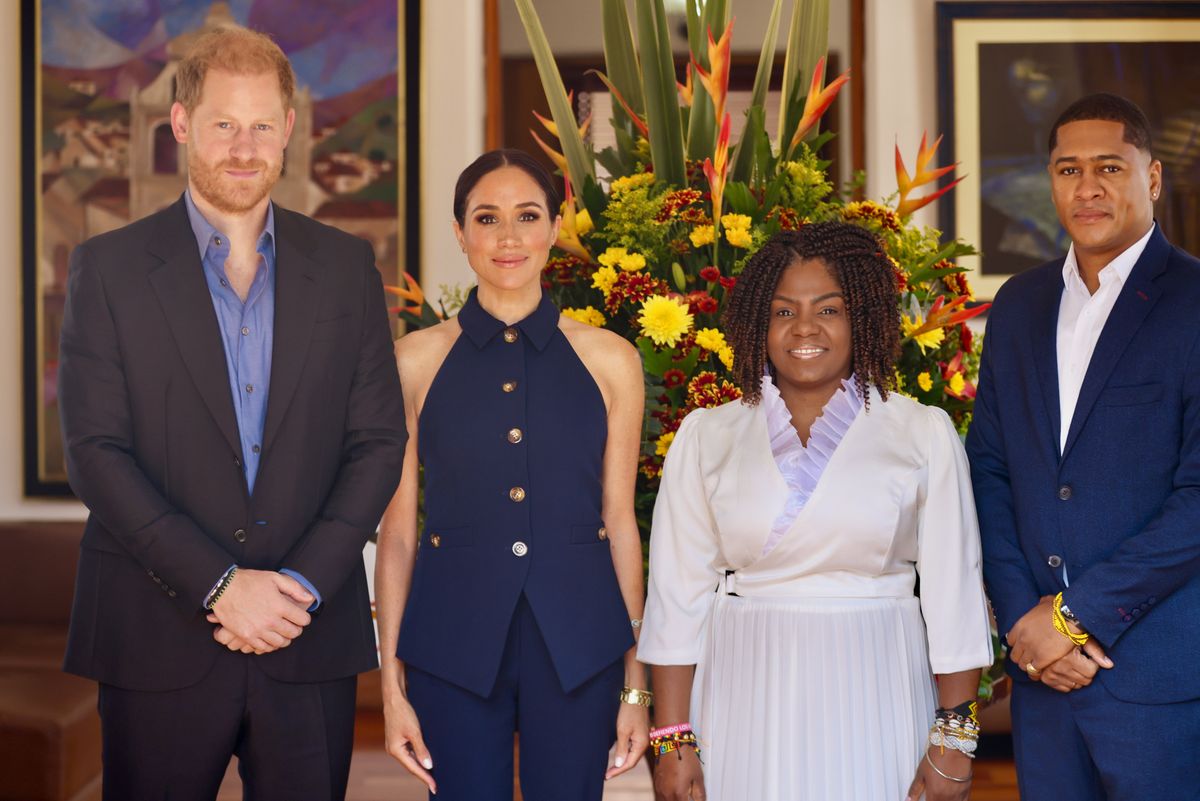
(965, 336)
(700, 302)
(710, 274)
(673, 378)
(728, 282)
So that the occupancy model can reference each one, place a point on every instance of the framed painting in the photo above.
(98, 152)
(1006, 71)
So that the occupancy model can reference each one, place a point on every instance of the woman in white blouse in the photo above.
(787, 539)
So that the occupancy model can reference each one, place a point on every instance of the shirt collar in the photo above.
(482, 327)
(1116, 270)
(205, 231)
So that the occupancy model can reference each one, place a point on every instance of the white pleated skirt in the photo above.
(813, 699)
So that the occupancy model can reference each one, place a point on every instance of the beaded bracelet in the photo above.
(1060, 623)
(665, 744)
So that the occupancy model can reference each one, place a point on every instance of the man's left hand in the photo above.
(1034, 642)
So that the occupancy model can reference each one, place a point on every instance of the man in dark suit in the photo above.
(234, 423)
(1085, 456)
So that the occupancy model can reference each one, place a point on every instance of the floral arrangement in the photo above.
(654, 254)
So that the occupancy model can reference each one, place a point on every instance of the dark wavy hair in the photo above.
(855, 259)
(494, 160)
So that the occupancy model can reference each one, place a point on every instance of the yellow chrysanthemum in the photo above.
(725, 354)
(588, 315)
(603, 279)
(631, 182)
(612, 257)
(957, 382)
(665, 320)
(739, 237)
(632, 262)
(735, 221)
(927, 339)
(702, 235)
(711, 339)
(663, 444)
(924, 381)
(583, 222)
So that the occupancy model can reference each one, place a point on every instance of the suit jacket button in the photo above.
(1055, 560)
(510, 335)
(508, 386)
(519, 548)
(240, 535)
(1064, 492)
(515, 435)
(435, 540)
(602, 533)
(517, 494)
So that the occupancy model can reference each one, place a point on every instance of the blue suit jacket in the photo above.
(1121, 507)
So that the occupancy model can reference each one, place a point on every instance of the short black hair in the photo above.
(855, 258)
(494, 160)
(1110, 108)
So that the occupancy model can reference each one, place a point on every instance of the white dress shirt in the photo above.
(1081, 318)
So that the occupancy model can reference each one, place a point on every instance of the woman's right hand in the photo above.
(402, 732)
(678, 776)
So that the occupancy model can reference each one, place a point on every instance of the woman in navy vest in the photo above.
(510, 609)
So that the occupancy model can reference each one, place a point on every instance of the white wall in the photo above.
(453, 107)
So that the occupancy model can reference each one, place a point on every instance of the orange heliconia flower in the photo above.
(924, 175)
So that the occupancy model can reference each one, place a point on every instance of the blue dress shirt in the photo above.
(247, 334)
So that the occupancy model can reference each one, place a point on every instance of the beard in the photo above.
(231, 195)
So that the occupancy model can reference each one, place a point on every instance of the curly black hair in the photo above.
(856, 260)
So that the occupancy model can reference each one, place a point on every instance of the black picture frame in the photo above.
(999, 67)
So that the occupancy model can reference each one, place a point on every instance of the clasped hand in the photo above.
(1056, 661)
(260, 611)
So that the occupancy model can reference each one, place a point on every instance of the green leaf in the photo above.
(695, 31)
(766, 59)
(754, 134)
(714, 16)
(594, 199)
(740, 199)
(662, 103)
(579, 162)
(808, 40)
(610, 159)
(656, 361)
(620, 59)
(754, 129)
(702, 125)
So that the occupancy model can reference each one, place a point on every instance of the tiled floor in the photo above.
(374, 776)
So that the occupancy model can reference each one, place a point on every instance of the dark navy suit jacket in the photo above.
(153, 449)
(1120, 508)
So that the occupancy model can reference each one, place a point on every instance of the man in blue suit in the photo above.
(1085, 456)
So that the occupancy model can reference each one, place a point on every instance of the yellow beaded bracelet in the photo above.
(1060, 623)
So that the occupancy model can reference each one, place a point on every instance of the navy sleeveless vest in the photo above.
(511, 437)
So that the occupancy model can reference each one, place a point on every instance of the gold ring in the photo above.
(1029, 668)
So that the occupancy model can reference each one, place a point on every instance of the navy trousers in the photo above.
(1090, 746)
(293, 741)
(565, 737)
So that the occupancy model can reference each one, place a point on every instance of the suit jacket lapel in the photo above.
(1044, 347)
(187, 304)
(297, 290)
(1135, 302)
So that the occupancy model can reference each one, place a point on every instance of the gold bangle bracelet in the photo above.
(629, 695)
(946, 775)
